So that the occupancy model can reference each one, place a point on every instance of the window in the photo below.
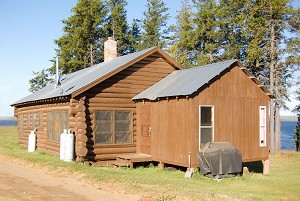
(57, 122)
(40, 119)
(113, 127)
(28, 120)
(33, 120)
(21, 125)
(206, 125)
(262, 126)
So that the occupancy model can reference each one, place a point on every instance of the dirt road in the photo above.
(21, 181)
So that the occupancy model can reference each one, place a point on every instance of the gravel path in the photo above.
(22, 181)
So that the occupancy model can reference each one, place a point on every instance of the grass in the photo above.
(282, 184)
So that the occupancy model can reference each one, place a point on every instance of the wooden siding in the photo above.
(116, 93)
(42, 142)
(175, 122)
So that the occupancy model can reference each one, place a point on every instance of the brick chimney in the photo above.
(110, 49)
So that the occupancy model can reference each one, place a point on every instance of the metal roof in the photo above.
(72, 82)
(184, 82)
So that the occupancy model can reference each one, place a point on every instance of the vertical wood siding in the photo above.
(236, 100)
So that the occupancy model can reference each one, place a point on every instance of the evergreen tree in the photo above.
(117, 25)
(297, 128)
(233, 19)
(155, 30)
(40, 80)
(182, 48)
(81, 44)
(207, 31)
(134, 36)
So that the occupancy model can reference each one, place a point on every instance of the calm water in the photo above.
(287, 132)
(287, 135)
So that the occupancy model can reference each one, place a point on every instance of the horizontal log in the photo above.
(53, 149)
(80, 125)
(80, 108)
(80, 119)
(81, 151)
(81, 138)
(119, 90)
(81, 101)
(100, 106)
(81, 144)
(24, 142)
(52, 152)
(72, 100)
(144, 74)
(149, 68)
(80, 114)
(73, 104)
(109, 95)
(55, 106)
(71, 124)
(110, 100)
(53, 144)
(72, 111)
(81, 131)
(72, 119)
(100, 151)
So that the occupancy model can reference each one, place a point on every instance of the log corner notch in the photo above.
(77, 114)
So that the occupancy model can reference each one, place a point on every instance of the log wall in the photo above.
(116, 93)
(41, 123)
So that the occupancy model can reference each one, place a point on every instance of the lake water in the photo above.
(287, 132)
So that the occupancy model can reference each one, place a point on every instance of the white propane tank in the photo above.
(62, 146)
(69, 152)
(31, 142)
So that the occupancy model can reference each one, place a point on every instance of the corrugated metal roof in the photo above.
(184, 82)
(75, 81)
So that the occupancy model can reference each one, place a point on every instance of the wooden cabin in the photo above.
(212, 103)
(95, 103)
(145, 103)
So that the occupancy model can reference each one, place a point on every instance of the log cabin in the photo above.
(145, 103)
(95, 103)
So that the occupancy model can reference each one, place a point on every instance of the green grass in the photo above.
(282, 184)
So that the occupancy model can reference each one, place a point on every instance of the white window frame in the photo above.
(262, 126)
(213, 123)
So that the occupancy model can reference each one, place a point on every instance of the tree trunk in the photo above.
(277, 123)
(91, 54)
(272, 72)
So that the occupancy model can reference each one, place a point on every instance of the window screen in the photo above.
(57, 122)
(21, 124)
(113, 127)
(206, 125)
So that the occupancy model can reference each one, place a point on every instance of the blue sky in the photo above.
(28, 29)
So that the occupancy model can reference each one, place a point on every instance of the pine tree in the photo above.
(297, 128)
(183, 39)
(81, 44)
(134, 36)
(155, 30)
(207, 31)
(117, 25)
(233, 19)
(267, 23)
(40, 80)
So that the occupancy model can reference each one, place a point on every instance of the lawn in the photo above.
(282, 184)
